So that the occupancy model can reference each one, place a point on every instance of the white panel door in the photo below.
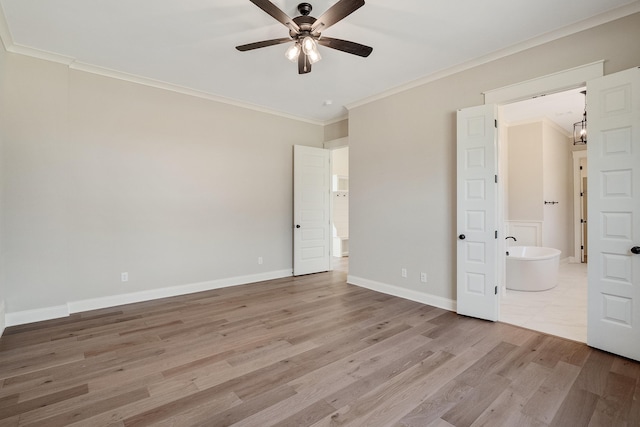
(477, 270)
(613, 149)
(311, 210)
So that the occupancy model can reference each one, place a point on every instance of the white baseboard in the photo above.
(36, 315)
(2, 318)
(47, 313)
(409, 294)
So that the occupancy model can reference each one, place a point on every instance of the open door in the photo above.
(477, 272)
(311, 210)
(613, 147)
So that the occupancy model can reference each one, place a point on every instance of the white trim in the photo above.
(47, 313)
(601, 19)
(152, 294)
(2, 318)
(74, 64)
(432, 300)
(551, 83)
(39, 54)
(513, 225)
(119, 75)
(337, 119)
(36, 315)
(577, 214)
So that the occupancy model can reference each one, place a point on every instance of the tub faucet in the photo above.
(511, 237)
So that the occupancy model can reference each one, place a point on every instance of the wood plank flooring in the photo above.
(306, 351)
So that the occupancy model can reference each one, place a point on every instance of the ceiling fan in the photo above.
(305, 32)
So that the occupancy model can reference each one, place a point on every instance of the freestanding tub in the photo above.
(532, 268)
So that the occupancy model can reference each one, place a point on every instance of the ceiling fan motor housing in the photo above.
(304, 9)
(304, 22)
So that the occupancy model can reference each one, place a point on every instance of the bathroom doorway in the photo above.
(543, 198)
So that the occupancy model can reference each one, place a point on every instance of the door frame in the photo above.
(577, 206)
(332, 145)
(557, 82)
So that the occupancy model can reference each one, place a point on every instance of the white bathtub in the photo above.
(532, 268)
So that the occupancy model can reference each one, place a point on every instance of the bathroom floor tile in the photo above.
(560, 311)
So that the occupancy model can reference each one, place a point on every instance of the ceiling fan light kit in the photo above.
(304, 32)
(293, 52)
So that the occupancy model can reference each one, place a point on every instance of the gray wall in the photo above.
(102, 176)
(402, 158)
(336, 130)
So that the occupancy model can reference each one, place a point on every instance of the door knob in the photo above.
(462, 237)
(635, 250)
(297, 225)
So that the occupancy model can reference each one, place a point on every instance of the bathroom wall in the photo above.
(525, 172)
(557, 227)
(540, 169)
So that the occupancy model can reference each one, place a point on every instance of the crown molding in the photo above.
(594, 21)
(336, 120)
(132, 78)
(74, 64)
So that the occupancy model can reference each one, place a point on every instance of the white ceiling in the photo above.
(190, 43)
(563, 108)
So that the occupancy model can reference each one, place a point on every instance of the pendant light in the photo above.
(580, 128)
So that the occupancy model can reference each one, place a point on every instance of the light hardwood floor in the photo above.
(306, 351)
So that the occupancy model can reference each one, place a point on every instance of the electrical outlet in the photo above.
(423, 277)
(404, 272)
(124, 277)
(260, 260)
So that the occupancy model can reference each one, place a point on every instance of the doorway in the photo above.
(540, 193)
(612, 294)
(340, 208)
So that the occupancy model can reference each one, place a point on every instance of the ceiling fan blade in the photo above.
(277, 13)
(335, 13)
(264, 43)
(346, 46)
(304, 66)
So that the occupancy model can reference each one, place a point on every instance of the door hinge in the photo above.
(496, 178)
(495, 123)
(580, 167)
(581, 247)
(496, 234)
(581, 194)
(496, 290)
(581, 221)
